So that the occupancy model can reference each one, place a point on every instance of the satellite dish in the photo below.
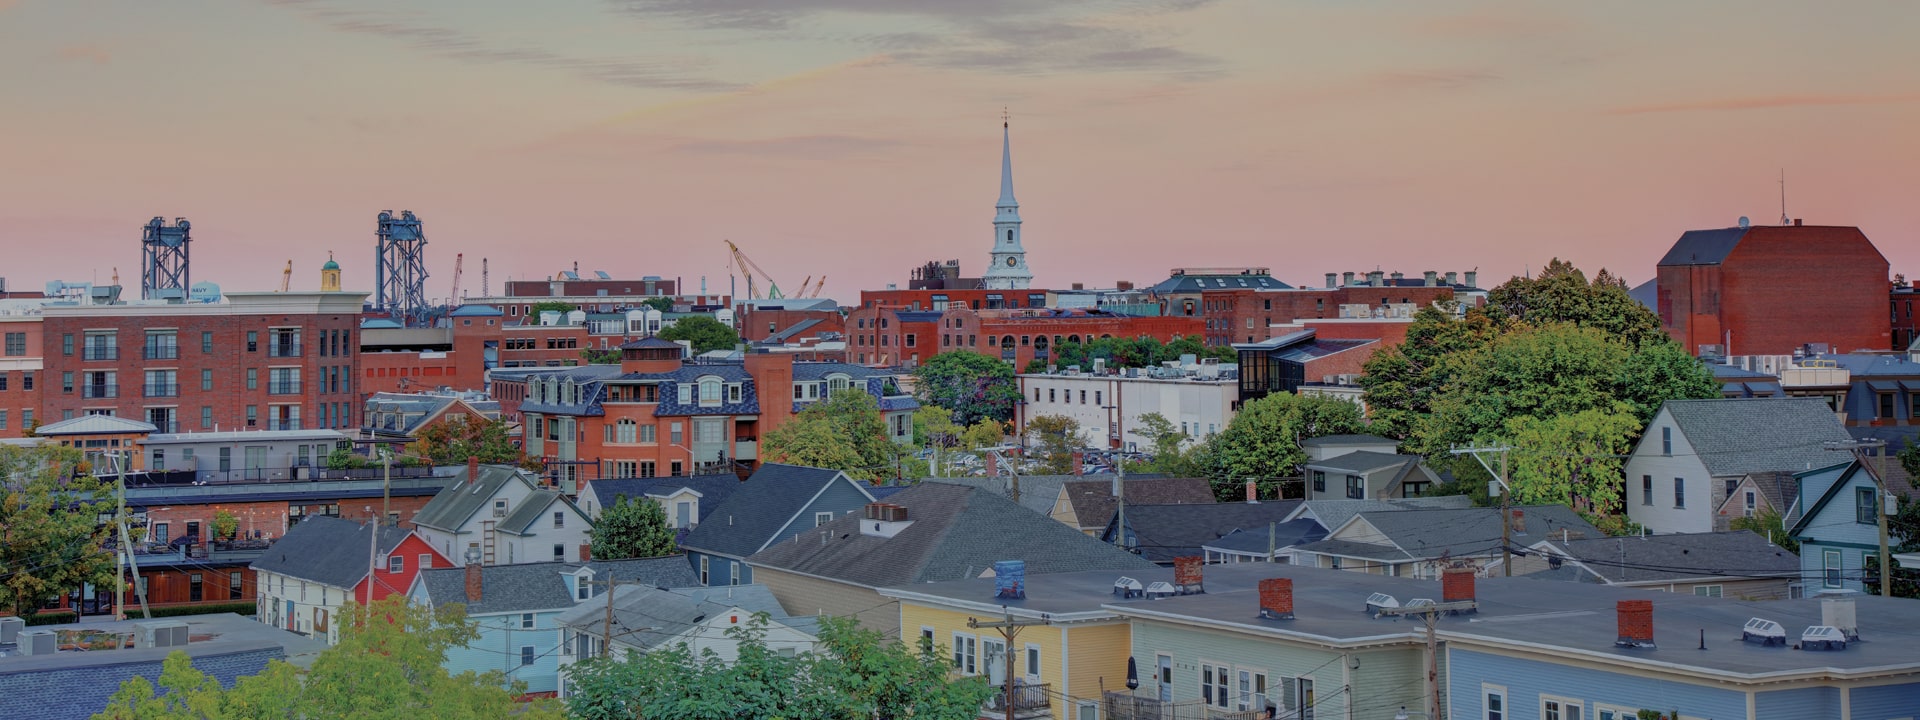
(1744, 222)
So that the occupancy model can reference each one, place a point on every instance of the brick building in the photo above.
(886, 336)
(1283, 364)
(1900, 312)
(1022, 336)
(22, 369)
(1248, 306)
(1767, 290)
(783, 323)
(939, 300)
(260, 360)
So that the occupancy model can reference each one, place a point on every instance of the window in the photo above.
(733, 392)
(16, 344)
(396, 564)
(206, 342)
(1865, 505)
(1666, 441)
(703, 569)
(426, 560)
(822, 518)
(226, 459)
(1553, 708)
(1707, 590)
(1213, 685)
(1033, 660)
(1748, 505)
(206, 379)
(1646, 489)
(559, 520)
(206, 416)
(966, 654)
(1319, 481)
(26, 380)
(195, 593)
(253, 378)
(526, 655)
(1356, 488)
(1886, 404)
(582, 590)
(66, 344)
(1679, 492)
(733, 572)
(526, 621)
(674, 435)
(1829, 568)
(234, 585)
(1496, 705)
(559, 552)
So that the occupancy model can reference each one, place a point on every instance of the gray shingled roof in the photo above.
(1164, 532)
(1257, 540)
(530, 587)
(1334, 513)
(1093, 500)
(764, 504)
(1468, 532)
(1742, 435)
(460, 499)
(1037, 492)
(327, 550)
(955, 532)
(1655, 558)
(1364, 461)
(714, 489)
(668, 612)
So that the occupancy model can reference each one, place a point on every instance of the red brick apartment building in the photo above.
(1767, 290)
(259, 360)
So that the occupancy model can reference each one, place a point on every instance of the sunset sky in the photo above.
(859, 138)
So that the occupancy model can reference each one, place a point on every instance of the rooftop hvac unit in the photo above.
(1838, 613)
(38, 642)
(1127, 587)
(10, 628)
(1764, 632)
(1381, 601)
(161, 634)
(1823, 637)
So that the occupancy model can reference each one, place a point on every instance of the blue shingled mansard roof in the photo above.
(530, 587)
(714, 489)
(749, 520)
(1703, 247)
(327, 550)
(1196, 283)
(650, 343)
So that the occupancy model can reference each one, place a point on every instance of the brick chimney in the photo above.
(474, 583)
(473, 468)
(1079, 464)
(1187, 573)
(586, 552)
(1519, 521)
(993, 465)
(1276, 598)
(1636, 623)
(1456, 584)
(772, 374)
(1253, 492)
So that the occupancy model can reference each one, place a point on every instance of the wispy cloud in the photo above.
(1766, 103)
(1432, 79)
(798, 145)
(95, 54)
(1505, 22)
(679, 73)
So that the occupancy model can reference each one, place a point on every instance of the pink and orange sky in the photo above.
(859, 138)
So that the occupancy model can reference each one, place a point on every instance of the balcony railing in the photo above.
(99, 391)
(282, 424)
(283, 388)
(1025, 697)
(100, 352)
(164, 426)
(283, 349)
(161, 352)
(161, 390)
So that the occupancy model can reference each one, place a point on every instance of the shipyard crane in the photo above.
(286, 276)
(748, 268)
(804, 284)
(817, 287)
(459, 259)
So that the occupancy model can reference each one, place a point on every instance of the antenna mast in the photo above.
(1783, 198)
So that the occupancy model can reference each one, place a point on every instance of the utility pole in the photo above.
(1431, 613)
(1498, 487)
(373, 554)
(606, 632)
(386, 483)
(1009, 630)
(1882, 505)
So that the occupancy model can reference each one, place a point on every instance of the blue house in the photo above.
(516, 607)
(1839, 533)
(775, 504)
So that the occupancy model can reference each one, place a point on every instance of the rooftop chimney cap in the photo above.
(473, 468)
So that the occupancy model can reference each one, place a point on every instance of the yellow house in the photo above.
(1066, 652)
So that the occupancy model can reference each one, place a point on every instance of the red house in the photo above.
(1768, 290)
(323, 563)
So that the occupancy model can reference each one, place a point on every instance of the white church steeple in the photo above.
(1008, 268)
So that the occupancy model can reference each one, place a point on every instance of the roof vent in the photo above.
(1838, 613)
(10, 628)
(1380, 601)
(1161, 590)
(1127, 587)
(1276, 599)
(1010, 579)
(1764, 632)
(1823, 637)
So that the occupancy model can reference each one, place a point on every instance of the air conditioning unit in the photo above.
(161, 634)
(10, 628)
(1087, 710)
(38, 642)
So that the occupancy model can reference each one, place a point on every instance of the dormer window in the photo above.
(686, 394)
(710, 391)
(836, 383)
(733, 392)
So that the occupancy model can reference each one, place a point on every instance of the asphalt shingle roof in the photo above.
(460, 499)
(1703, 247)
(1037, 492)
(327, 550)
(667, 612)
(1736, 436)
(529, 587)
(714, 489)
(1093, 501)
(759, 508)
(1654, 558)
(1164, 532)
(530, 511)
(954, 532)
(1467, 532)
(1257, 540)
(1364, 461)
(1334, 513)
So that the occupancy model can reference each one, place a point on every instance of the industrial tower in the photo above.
(400, 267)
(163, 274)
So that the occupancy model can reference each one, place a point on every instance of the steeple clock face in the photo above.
(1013, 262)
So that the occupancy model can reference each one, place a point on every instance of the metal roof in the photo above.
(96, 425)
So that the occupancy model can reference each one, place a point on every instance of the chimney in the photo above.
(1376, 278)
(1253, 493)
(1123, 286)
(1397, 276)
(1796, 222)
(1450, 277)
(1346, 278)
(1079, 286)
(1187, 574)
(1010, 579)
(1079, 463)
(473, 468)
(1471, 276)
(475, 586)
(1636, 623)
(1456, 584)
(586, 552)
(1838, 613)
(993, 465)
(1276, 599)
(1431, 278)
(1333, 280)
(1519, 521)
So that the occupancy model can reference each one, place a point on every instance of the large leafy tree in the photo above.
(933, 426)
(706, 333)
(846, 432)
(1571, 459)
(1262, 442)
(1173, 453)
(1054, 439)
(972, 385)
(632, 528)
(452, 441)
(388, 664)
(51, 537)
(1402, 381)
(1561, 293)
(852, 673)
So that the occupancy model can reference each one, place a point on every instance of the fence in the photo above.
(1124, 706)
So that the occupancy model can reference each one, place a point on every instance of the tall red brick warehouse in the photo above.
(1768, 290)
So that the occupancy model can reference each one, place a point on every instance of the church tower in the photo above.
(330, 275)
(1008, 268)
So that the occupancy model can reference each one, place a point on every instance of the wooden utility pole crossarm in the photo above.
(606, 632)
(1430, 613)
(1009, 630)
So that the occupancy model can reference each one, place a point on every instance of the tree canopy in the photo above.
(1055, 438)
(51, 539)
(387, 665)
(844, 432)
(970, 384)
(452, 441)
(706, 333)
(632, 528)
(1262, 442)
(852, 674)
(663, 304)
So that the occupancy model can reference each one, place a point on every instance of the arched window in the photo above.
(1009, 234)
(710, 390)
(836, 383)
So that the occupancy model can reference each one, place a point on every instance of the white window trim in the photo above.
(1506, 705)
(1565, 703)
(1219, 700)
(822, 518)
(1621, 712)
(1712, 590)
(1026, 656)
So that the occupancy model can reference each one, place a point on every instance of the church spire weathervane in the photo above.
(1008, 268)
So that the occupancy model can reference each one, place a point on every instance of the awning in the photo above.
(1884, 385)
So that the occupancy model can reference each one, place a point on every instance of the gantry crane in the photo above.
(748, 268)
(459, 259)
(286, 276)
(816, 288)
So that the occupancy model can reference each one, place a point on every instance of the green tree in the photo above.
(344, 459)
(225, 524)
(1402, 381)
(1173, 454)
(706, 333)
(1769, 524)
(984, 433)
(1561, 293)
(663, 304)
(451, 442)
(550, 306)
(596, 356)
(1262, 442)
(1572, 459)
(1054, 440)
(632, 529)
(972, 385)
(851, 674)
(1909, 458)
(1659, 371)
(845, 432)
(1540, 372)
(388, 664)
(51, 537)
(933, 425)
